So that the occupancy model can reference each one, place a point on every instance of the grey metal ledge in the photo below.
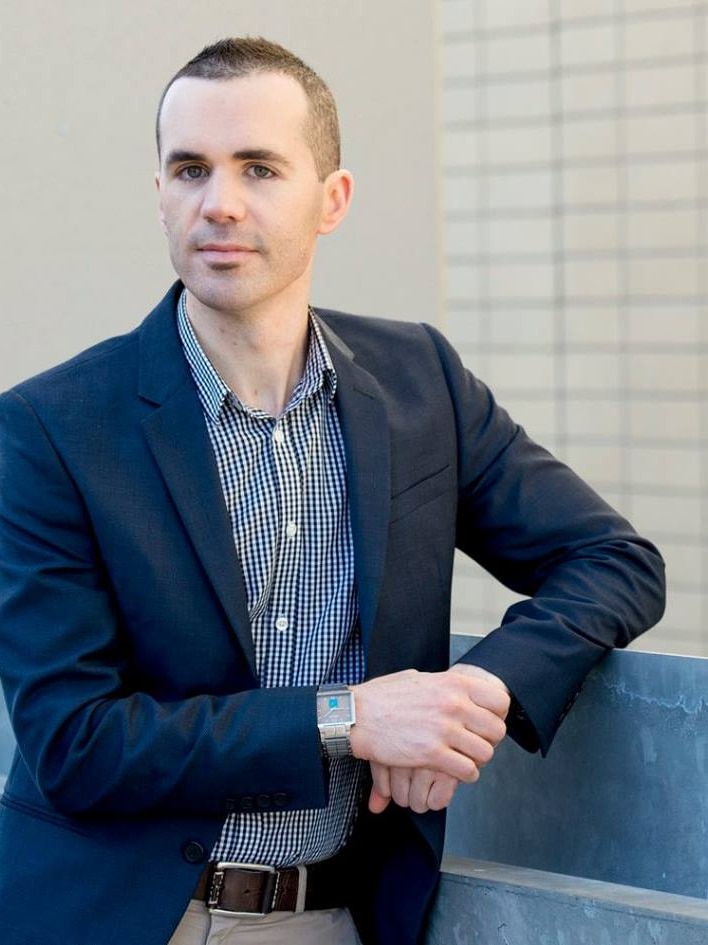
(483, 903)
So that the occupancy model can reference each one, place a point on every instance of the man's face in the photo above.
(240, 200)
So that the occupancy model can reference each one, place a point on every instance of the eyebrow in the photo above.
(247, 154)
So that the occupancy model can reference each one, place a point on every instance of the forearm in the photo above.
(589, 602)
(539, 529)
(134, 754)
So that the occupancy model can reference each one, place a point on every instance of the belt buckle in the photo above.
(267, 898)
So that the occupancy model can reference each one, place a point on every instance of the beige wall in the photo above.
(576, 225)
(83, 254)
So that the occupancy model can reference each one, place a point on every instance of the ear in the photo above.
(338, 190)
(160, 212)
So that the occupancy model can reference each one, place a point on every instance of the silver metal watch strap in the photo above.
(337, 746)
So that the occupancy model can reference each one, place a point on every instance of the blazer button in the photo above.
(194, 852)
(280, 799)
(264, 802)
(247, 803)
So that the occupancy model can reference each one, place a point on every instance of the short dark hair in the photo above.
(245, 55)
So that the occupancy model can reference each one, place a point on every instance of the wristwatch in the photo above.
(335, 717)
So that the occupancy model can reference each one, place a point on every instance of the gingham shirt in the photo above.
(285, 490)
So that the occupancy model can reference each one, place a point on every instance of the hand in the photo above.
(446, 722)
(469, 669)
(417, 788)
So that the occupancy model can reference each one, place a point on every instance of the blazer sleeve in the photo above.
(90, 743)
(592, 583)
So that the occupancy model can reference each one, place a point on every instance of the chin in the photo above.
(220, 294)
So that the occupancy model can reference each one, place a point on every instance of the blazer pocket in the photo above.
(30, 810)
(421, 492)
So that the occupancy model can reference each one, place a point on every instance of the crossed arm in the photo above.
(70, 660)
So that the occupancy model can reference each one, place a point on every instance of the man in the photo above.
(229, 532)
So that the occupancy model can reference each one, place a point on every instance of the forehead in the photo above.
(259, 110)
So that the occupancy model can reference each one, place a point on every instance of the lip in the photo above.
(225, 248)
(220, 255)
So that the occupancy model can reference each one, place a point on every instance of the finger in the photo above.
(454, 763)
(476, 748)
(381, 776)
(400, 785)
(491, 697)
(421, 783)
(442, 791)
(485, 694)
(485, 724)
(377, 802)
(380, 795)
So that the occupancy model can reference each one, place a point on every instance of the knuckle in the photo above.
(485, 753)
(400, 799)
(450, 704)
(437, 757)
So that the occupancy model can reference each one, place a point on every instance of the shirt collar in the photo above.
(214, 393)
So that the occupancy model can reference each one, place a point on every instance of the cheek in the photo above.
(175, 212)
(303, 233)
(173, 226)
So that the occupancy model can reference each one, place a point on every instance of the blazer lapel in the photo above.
(177, 436)
(362, 417)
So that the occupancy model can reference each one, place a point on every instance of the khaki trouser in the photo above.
(326, 927)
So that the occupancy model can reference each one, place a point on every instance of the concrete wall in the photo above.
(83, 254)
(605, 840)
(483, 903)
(621, 797)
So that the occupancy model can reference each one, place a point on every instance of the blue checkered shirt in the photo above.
(285, 489)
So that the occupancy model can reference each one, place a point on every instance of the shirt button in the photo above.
(282, 623)
(291, 529)
(278, 435)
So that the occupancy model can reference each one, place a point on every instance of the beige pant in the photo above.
(326, 927)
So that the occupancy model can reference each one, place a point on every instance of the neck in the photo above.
(260, 356)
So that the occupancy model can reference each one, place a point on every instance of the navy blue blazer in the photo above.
(125, 650)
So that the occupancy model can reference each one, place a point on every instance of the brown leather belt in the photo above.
(248, 889)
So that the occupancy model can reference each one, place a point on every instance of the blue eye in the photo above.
(192, 172)
(260, 171)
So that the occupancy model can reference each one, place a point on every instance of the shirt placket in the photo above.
(281, 613)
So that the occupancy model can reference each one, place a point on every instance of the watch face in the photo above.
(334, 708)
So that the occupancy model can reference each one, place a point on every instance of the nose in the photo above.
(223, 199)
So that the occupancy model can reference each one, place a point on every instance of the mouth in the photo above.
(225, 254)
(225, 248)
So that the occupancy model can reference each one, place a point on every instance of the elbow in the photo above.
(73, 773)
(63, 787)
(646, 591)
(656, 585)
